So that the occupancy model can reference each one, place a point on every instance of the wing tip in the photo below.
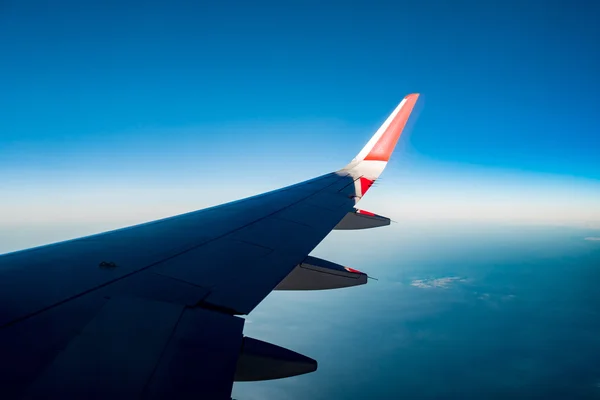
(412, 96)
(382, 149)
(380, 146)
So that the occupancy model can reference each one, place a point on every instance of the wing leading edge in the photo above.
(150, 310)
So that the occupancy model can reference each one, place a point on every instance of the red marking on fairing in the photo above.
(370, 214)
(355, 271)
(385, 145)
(365, 184)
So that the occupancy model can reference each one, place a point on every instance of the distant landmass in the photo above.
(492, 313)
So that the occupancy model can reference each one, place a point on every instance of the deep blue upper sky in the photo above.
(505, 84)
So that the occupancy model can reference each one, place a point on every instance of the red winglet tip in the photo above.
(385, 145)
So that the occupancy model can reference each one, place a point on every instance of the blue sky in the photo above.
(177, 105)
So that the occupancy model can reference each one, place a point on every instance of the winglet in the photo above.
(366, 167)
(382, 144)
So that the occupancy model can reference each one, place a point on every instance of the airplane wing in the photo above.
(153, 310)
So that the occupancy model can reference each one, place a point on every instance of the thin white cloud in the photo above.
(593, 239)
(495, 299)
(436, 283)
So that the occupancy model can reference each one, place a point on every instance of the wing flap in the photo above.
(136, 348)
(115, 354)
(200, 359)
